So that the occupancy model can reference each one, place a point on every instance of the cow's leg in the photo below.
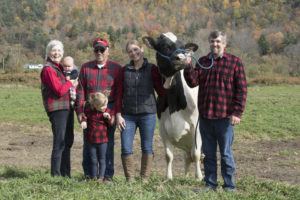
(187, 162)
(169, 158)
(196, 155)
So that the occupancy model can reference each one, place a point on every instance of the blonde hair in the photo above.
(97, 99)
(135, 42)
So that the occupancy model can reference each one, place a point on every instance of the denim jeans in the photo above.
(86, 162)
(146, 125)
(214, 132)
(62, 123)
(97, 154)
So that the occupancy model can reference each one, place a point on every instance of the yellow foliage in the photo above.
(180, 29)
(225, 4)
(184, 10)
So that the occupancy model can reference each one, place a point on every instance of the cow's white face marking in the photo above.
(171, 36)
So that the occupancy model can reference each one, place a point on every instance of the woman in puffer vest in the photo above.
(136, 108)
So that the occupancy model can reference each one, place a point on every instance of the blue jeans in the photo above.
(146, 125)
(214, 132)
(97, 154)
(86, 162)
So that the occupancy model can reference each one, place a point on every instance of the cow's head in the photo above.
(169, 57)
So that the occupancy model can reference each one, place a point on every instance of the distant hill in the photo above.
(264, 33)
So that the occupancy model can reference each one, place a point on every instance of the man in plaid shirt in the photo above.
(100, 75)
(221, 102)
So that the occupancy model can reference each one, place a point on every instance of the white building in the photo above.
(33, 66)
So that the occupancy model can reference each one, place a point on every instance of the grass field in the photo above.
(272, 113)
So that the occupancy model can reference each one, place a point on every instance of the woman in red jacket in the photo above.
(55, 93)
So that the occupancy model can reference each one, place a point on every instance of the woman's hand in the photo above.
(120, 122)
(74, 82)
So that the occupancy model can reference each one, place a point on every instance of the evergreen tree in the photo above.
(264, 45)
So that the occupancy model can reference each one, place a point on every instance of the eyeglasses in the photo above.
(101, 50)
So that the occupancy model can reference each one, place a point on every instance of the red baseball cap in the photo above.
(100, 42)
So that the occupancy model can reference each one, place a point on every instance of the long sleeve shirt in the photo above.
(92, 79)
(97, 125)
(50, 78)
(222, 88)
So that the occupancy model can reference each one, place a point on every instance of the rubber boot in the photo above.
(146, 166)
(128, 166)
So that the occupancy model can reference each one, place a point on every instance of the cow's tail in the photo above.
(196, 132)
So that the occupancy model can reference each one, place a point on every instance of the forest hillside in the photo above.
(264, 33)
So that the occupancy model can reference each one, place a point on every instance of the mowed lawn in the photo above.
(272, 113)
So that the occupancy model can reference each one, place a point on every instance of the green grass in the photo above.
(271, 112)
(21, 183)
(22, 105)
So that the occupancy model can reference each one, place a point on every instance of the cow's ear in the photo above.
(149, 42)
(191, 47)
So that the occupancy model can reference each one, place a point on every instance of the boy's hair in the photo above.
(97, 98)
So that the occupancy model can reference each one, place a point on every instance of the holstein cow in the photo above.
(178, 111)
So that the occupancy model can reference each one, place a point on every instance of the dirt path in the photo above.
(30, 146)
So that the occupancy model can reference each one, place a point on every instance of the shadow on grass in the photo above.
(8, 172)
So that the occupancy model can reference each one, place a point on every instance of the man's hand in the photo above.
(83, 125)
(234, 120)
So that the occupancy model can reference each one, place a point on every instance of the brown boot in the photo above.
(146, 166)
(128, 166)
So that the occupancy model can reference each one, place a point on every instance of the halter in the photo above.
(169, 58)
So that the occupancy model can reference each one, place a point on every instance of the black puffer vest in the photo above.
(138, 95)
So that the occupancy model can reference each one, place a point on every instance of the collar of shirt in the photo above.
(210, 55)
(131, 64)
(101, 66)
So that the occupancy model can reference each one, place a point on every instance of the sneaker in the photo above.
(204, 189)
(108, 180)
(228, 189)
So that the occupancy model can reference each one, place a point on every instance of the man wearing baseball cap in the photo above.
(98, 75)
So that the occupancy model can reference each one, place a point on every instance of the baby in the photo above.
(98, 119)
(71, 73)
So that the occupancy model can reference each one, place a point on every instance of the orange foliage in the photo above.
(276, 38)
(236, 4)
(288, 27)
(256, 34)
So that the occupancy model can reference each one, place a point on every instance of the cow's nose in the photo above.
(180, 57)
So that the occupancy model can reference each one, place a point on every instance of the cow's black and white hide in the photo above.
(178, 111)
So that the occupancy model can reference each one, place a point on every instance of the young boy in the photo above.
(98, 119)
(71, 73)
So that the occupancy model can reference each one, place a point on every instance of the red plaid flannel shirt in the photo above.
(97, 125)
(222, 89)
(92, 79)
